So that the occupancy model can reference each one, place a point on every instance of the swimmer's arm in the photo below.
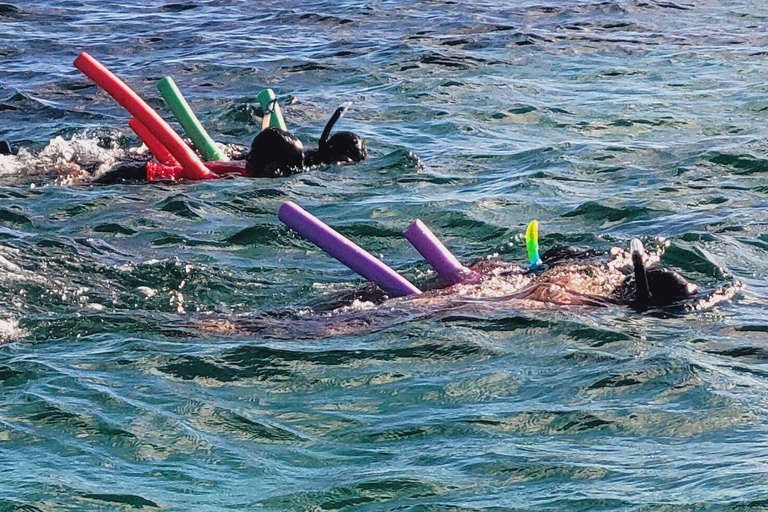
(159, 172)
(132, 172)
(230, 168)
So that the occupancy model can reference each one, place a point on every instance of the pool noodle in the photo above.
(154, 145)
(436, 254)
(188, 120)
(125, 96)
(265, 97)
(344, 250)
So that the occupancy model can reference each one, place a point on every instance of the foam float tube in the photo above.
(436, 254)
(154, 145)
(188, 120)
(266, 98)
(125, 96)
(344, 250)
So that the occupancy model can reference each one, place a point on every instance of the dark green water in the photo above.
(603, 120)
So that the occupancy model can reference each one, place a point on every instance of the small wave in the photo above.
(384, 491)
(11, 272)
(178, 7)
(608, 212)
(9, 11)
(131, 500)
(10, 330)
(743, 164)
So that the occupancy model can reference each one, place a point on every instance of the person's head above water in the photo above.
(343, 147)
(657, 286)
(275, 153)
(654, 286)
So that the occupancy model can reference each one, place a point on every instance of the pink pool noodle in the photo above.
(131, 101)
(155, 146)
(436, 254)
(344, 250)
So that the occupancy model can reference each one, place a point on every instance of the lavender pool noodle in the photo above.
(344, 250)
(436, 254)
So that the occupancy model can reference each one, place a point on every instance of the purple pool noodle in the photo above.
(436, 254)
(344, 250)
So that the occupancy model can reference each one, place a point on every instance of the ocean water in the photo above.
(604, 120)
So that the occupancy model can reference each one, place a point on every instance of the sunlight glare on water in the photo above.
(603, 120)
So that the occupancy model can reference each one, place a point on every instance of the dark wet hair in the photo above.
(657, 286)
(343, 147)
(567, 254)
(667, 286)
(125, 172)
(275, 153)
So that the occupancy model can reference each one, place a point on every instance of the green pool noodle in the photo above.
(187, 119)
(265, 97)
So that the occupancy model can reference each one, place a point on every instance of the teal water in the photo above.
(604, 120)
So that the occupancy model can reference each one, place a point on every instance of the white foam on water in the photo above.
(72, 160)
(10, 330)
(12, 164)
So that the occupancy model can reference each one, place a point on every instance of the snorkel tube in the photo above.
(532, 244)
(642, 292)
(323, 143)
(188, 120)
(128, 99)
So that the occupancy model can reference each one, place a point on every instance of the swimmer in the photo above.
(568, 277)
(274, 153)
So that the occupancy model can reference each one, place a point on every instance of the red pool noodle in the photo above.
(154, 145)
(124, 95)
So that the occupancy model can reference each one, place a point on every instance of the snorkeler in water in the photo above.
(563, 277)
(569, 277)
(274, 153)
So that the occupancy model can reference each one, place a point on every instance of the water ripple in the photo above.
(173, 345)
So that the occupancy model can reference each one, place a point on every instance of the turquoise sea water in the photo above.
(604, 120)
